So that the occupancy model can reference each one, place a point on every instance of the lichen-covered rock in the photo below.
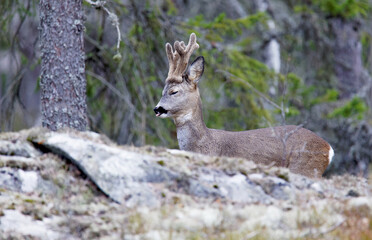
(18, 148)
(14, 221)
(82, 186)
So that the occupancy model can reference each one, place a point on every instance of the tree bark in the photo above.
(63, 84)
(347, 52)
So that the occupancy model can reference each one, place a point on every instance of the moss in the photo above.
(11, 206)
(136, 224)
(161, 163)
(345, 9)
(28, 200)
(283, 175)
(354, 109)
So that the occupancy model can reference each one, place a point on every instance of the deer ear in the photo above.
(196, 69)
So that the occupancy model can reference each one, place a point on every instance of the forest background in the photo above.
(268, 62)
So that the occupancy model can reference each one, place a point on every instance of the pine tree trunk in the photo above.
(347, 52)
(63, 84)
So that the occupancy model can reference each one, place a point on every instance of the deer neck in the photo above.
(191, 129)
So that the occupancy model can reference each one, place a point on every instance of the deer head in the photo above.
(180, 98)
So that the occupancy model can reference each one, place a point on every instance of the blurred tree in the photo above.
(19, 66)
(63, 84)
(347, 50)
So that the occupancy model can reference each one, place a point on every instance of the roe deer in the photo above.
(304, 152)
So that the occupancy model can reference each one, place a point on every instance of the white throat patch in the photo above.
(187, 117)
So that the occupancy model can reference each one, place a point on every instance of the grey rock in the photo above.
(128, 177)
(19, 162)
(123, 175)
(24, 181)
(14, 221)
(237, 188)
(18, 148)
(9, 179)
(275, 187)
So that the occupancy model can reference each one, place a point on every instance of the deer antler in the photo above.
(179, 58)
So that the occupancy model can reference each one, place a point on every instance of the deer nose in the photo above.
(156, 109)
(159, 111)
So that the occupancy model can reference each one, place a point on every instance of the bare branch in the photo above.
(288, 134)
(111, 16)
(114, 90)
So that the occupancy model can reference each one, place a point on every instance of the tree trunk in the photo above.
(347, 52)
(63, 84)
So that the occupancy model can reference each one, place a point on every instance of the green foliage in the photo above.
(249, 104)
(3, 83)
(123, 88)
(303, 9)
(347, 9)
(171, 7)
(292, 112)
(344, 8)
(237, 81)
(312, 47)
(14, 16)
(354, 109)
(292, 85)
(221, 26)
(366, 40)
(9, 9)
(330, 96)
(246, 82)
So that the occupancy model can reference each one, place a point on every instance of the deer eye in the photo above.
(173, 93)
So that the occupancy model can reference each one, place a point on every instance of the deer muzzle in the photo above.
(159, 111)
